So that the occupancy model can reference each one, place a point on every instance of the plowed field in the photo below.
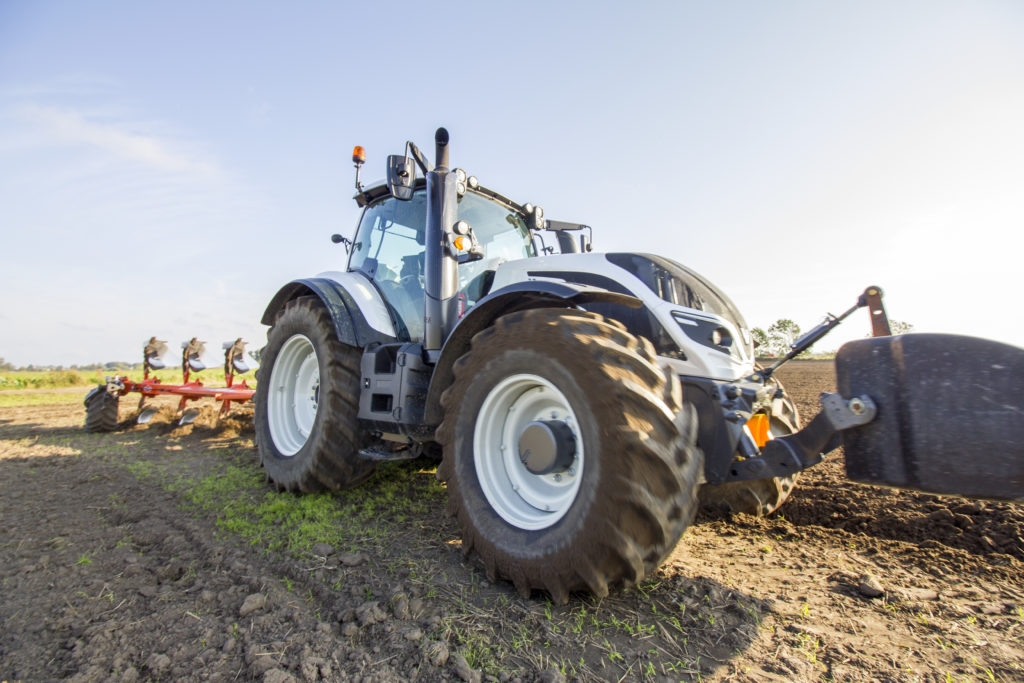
(157, 552)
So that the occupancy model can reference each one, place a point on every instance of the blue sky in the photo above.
(165, 167)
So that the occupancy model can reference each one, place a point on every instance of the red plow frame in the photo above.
(189, 389)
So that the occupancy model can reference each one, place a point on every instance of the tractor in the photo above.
(582, 405)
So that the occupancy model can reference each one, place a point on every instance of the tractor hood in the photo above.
(690, 321)
(677, 284)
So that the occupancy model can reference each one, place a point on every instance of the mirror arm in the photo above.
(421, 161)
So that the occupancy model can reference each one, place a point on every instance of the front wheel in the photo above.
(307, 402)
(568, 453)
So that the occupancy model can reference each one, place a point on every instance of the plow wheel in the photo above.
(758, 497)
(568, 453)
(100, 410)
(307, 400)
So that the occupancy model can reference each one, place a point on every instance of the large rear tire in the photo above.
(624, 489)
(100, 410)
(307, 402)
(759, 497)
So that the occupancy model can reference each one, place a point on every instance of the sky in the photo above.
(166, 167)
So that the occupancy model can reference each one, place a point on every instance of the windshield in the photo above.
(502, 232)
(503, 235)
(390, 245)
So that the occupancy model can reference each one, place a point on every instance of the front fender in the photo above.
(350, 322)
(515, 297)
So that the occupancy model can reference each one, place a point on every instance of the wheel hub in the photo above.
(527, 451)
(547, 446)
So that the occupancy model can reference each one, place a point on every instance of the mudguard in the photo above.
(349, 321)
(950, 414)
(514, 297)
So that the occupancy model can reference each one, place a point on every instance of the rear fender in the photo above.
(950, 414)
(350, 321)
(515, 297)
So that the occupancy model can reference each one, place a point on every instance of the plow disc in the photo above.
(950, 414)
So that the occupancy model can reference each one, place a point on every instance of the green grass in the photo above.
(245, 506)
(26, 379)
(9, 399)
(58, 379)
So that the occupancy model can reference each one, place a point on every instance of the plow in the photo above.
(582, 405)
(101, 403)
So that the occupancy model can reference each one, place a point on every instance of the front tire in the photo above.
(620, 495)
(307, 402)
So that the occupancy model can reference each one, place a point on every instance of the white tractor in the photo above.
(582, 404)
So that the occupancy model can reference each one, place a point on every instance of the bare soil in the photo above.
(125, 556)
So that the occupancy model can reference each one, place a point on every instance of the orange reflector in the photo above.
(358, 154)
(760, 429)
(460, 243)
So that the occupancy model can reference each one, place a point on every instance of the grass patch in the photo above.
(10, 399)
(54, 379)
(59, 379)
(244, 505)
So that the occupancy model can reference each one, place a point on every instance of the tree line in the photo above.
(776, 340)
(91, 367)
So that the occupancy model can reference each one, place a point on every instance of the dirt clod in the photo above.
(551, 676)
(158, 663)
(870, 587)
(464, 671)
(278, 676)
(352, 559)
(370, 613)
(252, 603)
(436, 652)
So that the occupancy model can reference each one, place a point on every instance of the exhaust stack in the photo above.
(441, 270)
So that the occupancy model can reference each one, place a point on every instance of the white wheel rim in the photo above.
(294, 395)
(523, 499)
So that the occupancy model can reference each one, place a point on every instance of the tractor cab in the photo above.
(390, 247)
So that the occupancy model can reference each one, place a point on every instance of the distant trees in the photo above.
(760, 338)
(776, 340)
(783, 332)
(900, 327)
(116, 366)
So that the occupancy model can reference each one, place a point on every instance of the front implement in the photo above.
(938, 413)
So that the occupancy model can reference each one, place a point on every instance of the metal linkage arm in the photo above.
(786, 455)
(872, 298)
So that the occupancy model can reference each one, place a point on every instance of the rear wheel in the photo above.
(759, 497)
(307, 400)
(568, 454)
(101, 410)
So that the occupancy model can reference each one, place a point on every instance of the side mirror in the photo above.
(401, 176)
